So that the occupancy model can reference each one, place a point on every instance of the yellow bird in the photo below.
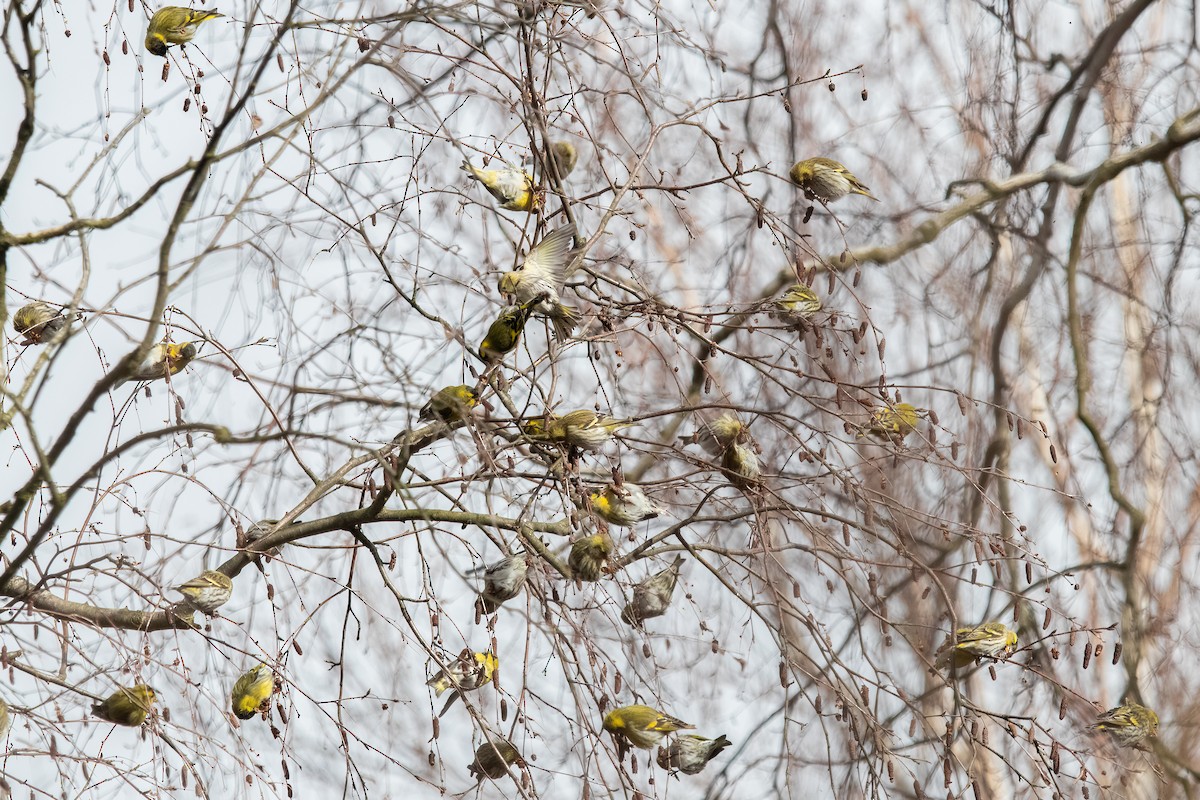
(544, 272)
(989, 640)
(690, 754)
(583, 428)
(39, 321)
(127, 706)
(252, 691)
(207, 592)
(511, 186)
(1129, 725)
(625, 505)
(797, 303)
(505, 333)
(492, 759)
(174, 25)
(464, 674)
(729, 437)
(827, 180)
(563, 157)
(164, 359)
(642, 726)
(892, 424)
(450, 404)
(589, 556)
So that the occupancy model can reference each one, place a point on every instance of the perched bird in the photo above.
(511, 186)
(127, 706)
(584, 428)
(1129, 725)
(989, 640)
(690, 753)
(652, 597)
(563, 157)
(589, 556)
(174, 25)
(207, 592)
(892, 424)
(827, 180)
(449, 404)
(39, 322)
(625, 505)
(798, 303)
(642, 726)
(493, 758)
(544, 272)
(252, 691)
(729, 437)
(503, 581)
(464, 674)
(164, 359)
(5, 719)
(505, 333)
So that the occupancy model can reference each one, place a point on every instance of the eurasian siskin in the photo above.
(584, 428)
(625, 505)
(798, 303)
(38, 322)
(174, 25)
(740, 465)
(449, 404)
(164, 359)
(652, 597)
(127, 706)
(503, 581)
(207, 592)
(505, 333)
(892, 424)
(563, 156)
(827, 180)
(493, 758)
(729, 437)
(252, 691)
(589, 556)
(511, 186)
(989, 640)
(642, 726)
(690, 753)
(463, 675)
(543, 273)
(1129, 725)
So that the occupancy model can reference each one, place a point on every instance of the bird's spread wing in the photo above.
(548, 261)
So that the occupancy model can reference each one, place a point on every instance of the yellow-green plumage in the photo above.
(583, 428)
(989, 640)
(251, 691)
(1128, 725)
(641, 725)
(174, 25)
(625, 505)
(493, 758)
(207, 592)
(450, 403)
(892, 424)
(826, 179)
(5, 718)
(164, 359)
(563, 157)
(512, 187)
(542, 275)
(690, 754)
(463, 675)
(798, 302)
(38, 322)
(505, 333)
(589, 556)
(127, 706)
